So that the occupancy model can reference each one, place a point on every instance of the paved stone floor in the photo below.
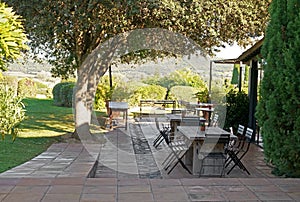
(61, 174)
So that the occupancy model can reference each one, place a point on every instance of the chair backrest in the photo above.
(231, 130)
(157, 124)
(165, 136)
(241, 136)
(164, 127)
(215, 120)
(248, 134)
(240, 131)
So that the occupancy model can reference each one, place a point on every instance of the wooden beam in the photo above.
(253, 95)
(240, 77)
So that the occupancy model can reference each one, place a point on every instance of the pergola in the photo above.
(250, 57)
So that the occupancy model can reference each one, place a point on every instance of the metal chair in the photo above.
(237, 154)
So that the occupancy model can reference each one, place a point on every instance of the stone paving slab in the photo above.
(112, 189)
(59, 161)
(61, 174)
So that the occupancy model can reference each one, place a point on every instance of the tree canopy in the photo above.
(12, 36)
(68, 30)
(183, 77)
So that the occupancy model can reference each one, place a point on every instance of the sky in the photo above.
(230, 52)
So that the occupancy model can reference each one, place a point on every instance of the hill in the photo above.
(200, 65)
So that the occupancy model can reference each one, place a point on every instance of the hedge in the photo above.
(63, 94)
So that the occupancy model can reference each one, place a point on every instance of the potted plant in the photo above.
(202, 96)
(202, 126)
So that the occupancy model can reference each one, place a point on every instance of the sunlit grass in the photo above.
(43, 119)
(43, 125)
(21, 150)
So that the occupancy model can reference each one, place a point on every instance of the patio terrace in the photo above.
(63, 173)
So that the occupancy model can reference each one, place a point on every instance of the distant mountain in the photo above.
(136, 72)
(200, 65)
(37, 71)
(29, 67)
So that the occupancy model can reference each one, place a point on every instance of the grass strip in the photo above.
(21, 150)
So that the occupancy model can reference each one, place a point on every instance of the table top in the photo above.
(164, 101)
(174, 117)
(118, 105)
(193, 132)
(158, 101)
(202, 104)
(178, 117)
(204, 109)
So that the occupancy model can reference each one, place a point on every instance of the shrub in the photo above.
(202, 96)
(66, 94)
(27, 88)
(43, 89)
(11, 111)
(10, 81)
(103, 92)
(154, 92)
(56, 94)
(237, 112)
(63, 93)
(186, 93)
(123, 91)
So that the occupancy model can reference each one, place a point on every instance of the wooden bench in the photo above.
(155, 102)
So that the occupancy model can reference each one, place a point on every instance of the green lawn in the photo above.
(21, 150)
(43, 125)
(43, 119)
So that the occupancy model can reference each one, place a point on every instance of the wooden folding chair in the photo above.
(236, 145)
(178, 150)
(236, 155)
(215, 121)
(159, 139)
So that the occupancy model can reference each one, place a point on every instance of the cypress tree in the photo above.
(246, 78)
(278, 111)
(246, 74)
(235, 74)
